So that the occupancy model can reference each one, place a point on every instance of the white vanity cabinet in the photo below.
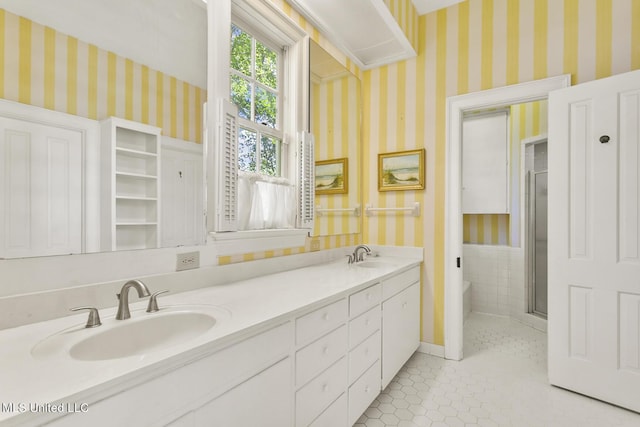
(211, 390)
(400, 321)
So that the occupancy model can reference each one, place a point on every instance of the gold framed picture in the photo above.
(402, 170)
(332, 176)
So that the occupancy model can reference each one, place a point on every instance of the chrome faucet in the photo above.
(360, 256)
(123, 296)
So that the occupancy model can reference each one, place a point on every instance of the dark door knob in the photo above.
(604, 139)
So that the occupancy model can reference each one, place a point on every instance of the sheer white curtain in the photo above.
(265, 202)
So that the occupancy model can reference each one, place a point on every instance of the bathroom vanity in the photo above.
(306, 347)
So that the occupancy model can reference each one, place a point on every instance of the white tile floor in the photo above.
(501, 382)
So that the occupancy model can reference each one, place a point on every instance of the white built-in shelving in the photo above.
(130, 185)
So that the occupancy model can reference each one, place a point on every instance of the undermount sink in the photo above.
(142, 334)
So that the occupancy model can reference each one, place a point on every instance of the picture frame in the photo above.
(401, 170)
(332, 176)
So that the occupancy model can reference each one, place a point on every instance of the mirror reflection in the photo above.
(336, 107)
(73, 180)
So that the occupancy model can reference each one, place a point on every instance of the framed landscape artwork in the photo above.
(332, 176)
(402, 170)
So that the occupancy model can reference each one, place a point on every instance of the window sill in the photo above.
(239, 242)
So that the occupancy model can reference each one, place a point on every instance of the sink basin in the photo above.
(140, 335)
(374, 264)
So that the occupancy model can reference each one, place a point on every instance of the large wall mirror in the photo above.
(143, 61)
(336, 111)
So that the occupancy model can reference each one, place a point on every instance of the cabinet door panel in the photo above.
(400, 330)
(264, 400)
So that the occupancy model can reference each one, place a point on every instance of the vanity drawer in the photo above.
(320, 354)
(363, 356)
(320, 321)
(364, 300)
(363, 326)
(316, 396)
(335, 415)
(363, 392)
(395, 284)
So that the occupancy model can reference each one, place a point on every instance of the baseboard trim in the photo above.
(431, 349)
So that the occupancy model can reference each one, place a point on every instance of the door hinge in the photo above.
(458, 262)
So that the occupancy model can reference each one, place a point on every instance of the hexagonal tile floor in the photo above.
(502, 381)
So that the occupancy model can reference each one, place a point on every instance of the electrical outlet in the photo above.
(187, 260)
(315, 245)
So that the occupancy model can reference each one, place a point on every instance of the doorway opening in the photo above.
(456, 108)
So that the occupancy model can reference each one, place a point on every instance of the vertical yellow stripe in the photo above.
(466, 228)
(2, 52)
(111, 84)
(495, 229)
(49, 68)
(463, 47)
(487, 44)
(24, 62)
(382, 135)
(540, 33)
(160, 100)
(173, 89)
(186, 116)
(604, 38)
(400, 109)
(93, 83)
(198, 130)
(480, 229)
(144, 94)
(439, 218)
(128, 84)
(635, 35)
(366, 150)
(347, 122)
(571, 38)
(535, 119)
(331, 141)
(420, 127)
(72, 75)
(513, 42)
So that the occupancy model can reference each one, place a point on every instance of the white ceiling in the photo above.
(426, 6)
(166, 35)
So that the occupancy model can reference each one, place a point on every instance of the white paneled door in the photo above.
(594, 239)
(40, 189)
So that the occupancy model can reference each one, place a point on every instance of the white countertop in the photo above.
(252, 304)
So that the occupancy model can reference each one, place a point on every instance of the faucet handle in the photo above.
(351, 259)
(94, 317)
(153, 302)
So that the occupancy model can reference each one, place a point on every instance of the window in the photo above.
(260, 165)
(255, 89)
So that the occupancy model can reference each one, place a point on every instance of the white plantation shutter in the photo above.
(305, 178)
(227, 167)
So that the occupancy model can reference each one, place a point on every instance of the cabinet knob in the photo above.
(367, 322)
(325, 387)
(325, 316)
(367, 389)
(404, 305)
(604, 139)
(325, 350)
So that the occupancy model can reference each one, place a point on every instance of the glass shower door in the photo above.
(538, 242)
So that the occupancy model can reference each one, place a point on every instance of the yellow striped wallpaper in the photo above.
(525, 121)
(474, 45)
(335, 124)
(407, 17)
(46, 68)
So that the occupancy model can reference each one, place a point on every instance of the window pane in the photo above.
(269, 156)
(266, 66)
(265, 107)
(240, 50)
(247, 150)
(241, 96)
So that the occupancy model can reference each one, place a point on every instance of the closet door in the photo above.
(40, 189)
